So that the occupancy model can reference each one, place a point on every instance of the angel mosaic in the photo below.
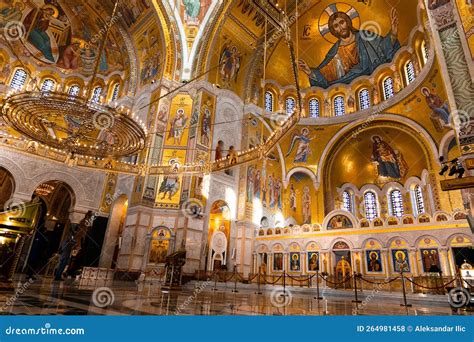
(230, 61)
(304, 150)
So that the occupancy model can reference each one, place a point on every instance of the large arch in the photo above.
(387, 117)
(77, 187)
(7, 188)
(306, 171)
(355, 138)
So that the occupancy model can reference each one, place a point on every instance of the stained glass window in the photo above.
(418, 200)
(347, 201)
(314, 108)
(371, 206)
(18, 79)
(425, 51)
(409, 72)
(396, 203)
(115, 91)
(74, 90)
(388, 90)
(364, 99)
(268, 101)
(290, 105)
(48, 85)
(339, 106)
(96, 94)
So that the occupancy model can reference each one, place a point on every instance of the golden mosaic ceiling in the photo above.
(243, 27)
(65, 35)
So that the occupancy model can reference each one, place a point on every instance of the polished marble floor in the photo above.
(45, 297)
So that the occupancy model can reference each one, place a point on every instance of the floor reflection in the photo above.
(45, 297)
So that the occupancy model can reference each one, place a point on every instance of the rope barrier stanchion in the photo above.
(318, 297)
(432, 288)
(405, 304)
(379, 283)
(235, 280)
(273, 282)
(250, 278)
(284, 284)
(258, 284)
(337, 284)
(355, 290)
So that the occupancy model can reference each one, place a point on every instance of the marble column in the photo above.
(443, 256)
(330, 265)
(137, 226)
(324, 261)
(452, 266)
(303, 259)
(353, 260)
(386, 263)
(254, 263)
(417, 263)
(412, 260)
(270, 261)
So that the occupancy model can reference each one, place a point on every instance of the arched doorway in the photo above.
(113, 235)
(218, 235)
(56, 199)
(11, 234)
(7, 188)
(342, 264)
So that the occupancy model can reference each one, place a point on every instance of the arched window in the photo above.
(268, 101)
(418, 201)
(48, 85)
(74, 90)
(290, 105)
(314, 108)
(339, 106)
(18, 79)
(371, 206)
(409, 72)
(115, 91)
(364, 99)
(396, 203)
(96, 94)
(347, 201)
(425, 52)
(388, 90)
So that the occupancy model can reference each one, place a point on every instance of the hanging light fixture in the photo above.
(44, 189)
(80, 124)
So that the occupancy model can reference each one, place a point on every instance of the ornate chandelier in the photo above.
(44, 189)
(74, 124)
(79, 125)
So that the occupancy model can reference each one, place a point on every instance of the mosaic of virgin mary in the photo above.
(390, 163)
